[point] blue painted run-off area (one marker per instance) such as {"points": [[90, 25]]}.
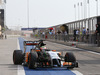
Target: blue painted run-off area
{"points": [[43, 71]]}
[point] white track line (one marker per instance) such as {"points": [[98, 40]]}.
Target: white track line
{"points": [[76, 72], [81, 49], [87, 51], [20, 70]]}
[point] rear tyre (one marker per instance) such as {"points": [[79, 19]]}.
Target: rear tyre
{"points": [[17, 57], [32, 64]]}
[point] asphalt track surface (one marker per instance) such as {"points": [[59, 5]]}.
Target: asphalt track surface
{"points": [[7, 46], [89, 62]]}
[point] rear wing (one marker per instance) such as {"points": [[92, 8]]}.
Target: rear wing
{"points": [[31, 43]]}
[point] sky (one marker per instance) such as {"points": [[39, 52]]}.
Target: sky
{"points": [[47, 13]]}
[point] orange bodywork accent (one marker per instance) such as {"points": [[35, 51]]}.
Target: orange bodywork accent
{"points": [[48, 63], [54, 50], [37, 50], [59, 53], [27, 56], [67, 63]]}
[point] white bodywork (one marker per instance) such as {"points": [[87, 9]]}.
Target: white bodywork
{"points": [[53, 55]]}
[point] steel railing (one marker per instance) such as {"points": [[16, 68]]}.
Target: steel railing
{"points": [[90, 39]]}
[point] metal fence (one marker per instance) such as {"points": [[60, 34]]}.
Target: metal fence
{"points": [[90, 39]]}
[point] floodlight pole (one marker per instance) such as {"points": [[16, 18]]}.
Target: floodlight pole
{"points": [[97, 7], [81, 10], [88, 8], [78, 12], [28, 13], [75, 11]]}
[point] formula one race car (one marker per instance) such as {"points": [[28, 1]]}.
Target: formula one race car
{"points": [[39, 56]]}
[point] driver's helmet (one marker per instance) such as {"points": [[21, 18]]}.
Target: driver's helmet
{"points": [[43, 47]]}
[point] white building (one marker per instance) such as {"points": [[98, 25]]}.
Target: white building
{"points": [[2, 4]]}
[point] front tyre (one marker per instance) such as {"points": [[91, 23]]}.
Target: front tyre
{"points": [[69, 57]]}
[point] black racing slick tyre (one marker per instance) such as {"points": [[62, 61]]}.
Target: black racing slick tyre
{"points": [[17, 57], [32, 62], [69, 57]]}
